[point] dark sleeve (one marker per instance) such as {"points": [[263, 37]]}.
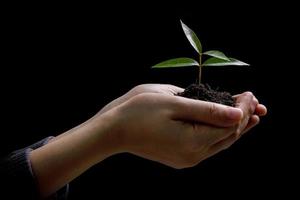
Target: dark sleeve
{"points": [[17, 177]]}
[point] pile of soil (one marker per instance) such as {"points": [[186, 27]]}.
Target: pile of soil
{"points": [[205, 93]]}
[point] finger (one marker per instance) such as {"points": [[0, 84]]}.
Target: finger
{"points": [[255, 100], [246, 102], [260, 110], [254, 120], [205, 112]]}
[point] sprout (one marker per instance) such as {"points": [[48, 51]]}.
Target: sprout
{"points": [[217, 58]]}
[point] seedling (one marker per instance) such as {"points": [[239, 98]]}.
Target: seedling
{"points": [[217, 58]]}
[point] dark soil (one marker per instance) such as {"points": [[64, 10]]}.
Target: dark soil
{"points": [[205, 93]]}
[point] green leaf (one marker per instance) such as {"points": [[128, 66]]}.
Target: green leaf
{"points": [[217, 54], [221, 62], [177, 62], [192, 37]]}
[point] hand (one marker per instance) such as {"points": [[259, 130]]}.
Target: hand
{"points": [[177, 131], [166, 89], [259, 111], [251, 112], [156, 125], [140, 89]]}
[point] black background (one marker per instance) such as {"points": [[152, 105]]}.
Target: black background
{"points": [[62, 63]]}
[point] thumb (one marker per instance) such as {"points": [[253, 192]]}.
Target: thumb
{"points": [[206, 112]]}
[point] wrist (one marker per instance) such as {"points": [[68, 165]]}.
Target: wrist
{"points": [[108, 135]]}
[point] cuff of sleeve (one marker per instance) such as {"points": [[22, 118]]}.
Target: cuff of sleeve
{"points": [[22, 176]]}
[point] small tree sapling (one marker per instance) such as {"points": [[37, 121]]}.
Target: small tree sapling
{"points": [[216, 58]]}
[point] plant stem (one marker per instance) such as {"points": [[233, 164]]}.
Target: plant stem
{"points": [[200, 68]]}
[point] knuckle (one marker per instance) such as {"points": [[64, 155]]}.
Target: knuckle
{"points": [[139, 89], [248, 94], [139, 99], [255, 100], [212, 109]]}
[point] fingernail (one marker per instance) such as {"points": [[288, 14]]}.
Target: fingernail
{"points": [[234, 113]]}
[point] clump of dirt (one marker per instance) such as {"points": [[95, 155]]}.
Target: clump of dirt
{"points": [[205, 93]]}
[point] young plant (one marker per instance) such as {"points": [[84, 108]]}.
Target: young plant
{"points": [[217, 58]]}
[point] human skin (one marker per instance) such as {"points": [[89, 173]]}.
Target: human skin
{"points": [[148, 121]]}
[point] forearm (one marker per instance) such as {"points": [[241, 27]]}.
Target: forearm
{"points": [[62, 160]]}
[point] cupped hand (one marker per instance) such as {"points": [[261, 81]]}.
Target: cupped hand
{"points": [[166, 89], [177, 131]]}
